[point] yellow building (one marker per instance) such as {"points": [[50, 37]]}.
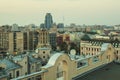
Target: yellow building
{"points": [[88, 48], [62, 66], [4, 40]]}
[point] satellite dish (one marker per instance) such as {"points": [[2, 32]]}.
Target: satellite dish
{"points": [[7, 53], [36, 50], [73, 52]]}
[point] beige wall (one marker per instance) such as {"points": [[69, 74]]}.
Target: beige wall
{"points": [[70, 66], [24, 64], [44, 54], [19, 41]]}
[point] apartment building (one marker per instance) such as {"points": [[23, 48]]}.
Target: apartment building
{"points": [[20, 65], [4, 40], [92, 47], [16, 42], [89, 48]]}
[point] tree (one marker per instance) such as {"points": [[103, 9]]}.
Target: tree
{"points": [[64, 47]]}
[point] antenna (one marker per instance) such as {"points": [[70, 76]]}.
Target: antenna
{"points": [[36, 50], [73, 53]]}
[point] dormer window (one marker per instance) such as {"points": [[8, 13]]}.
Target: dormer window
{"points": [[1, 68]]}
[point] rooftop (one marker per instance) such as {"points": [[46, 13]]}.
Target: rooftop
{"points": [[9, 64], [108, 72]]}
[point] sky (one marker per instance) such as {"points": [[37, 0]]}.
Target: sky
{"points": [[89, 12]]}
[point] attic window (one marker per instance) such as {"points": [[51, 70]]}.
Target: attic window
{"points": [[1, 68]]}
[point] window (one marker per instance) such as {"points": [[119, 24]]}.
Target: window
{"points": [[38, 77], [44, 52], [92, 49], [108, 56], [59, 70], [1, 68], [117, 51], [59, 74], [43, 56], [95, 49], [96, 58], [89, 49], [82, 48], [25, 73], [10, 75], [17, 73], [82, 63], [32, 67]]}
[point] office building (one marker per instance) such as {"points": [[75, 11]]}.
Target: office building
{"points": [[48, 21]]}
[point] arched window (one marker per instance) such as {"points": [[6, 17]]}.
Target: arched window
{"points": [[59, 70]]}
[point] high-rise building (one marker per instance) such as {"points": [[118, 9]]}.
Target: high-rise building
{"points": [[48, 21]]}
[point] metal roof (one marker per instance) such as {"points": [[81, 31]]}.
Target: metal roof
{"points": [[104, 46], [33, 60], [44, 48], [9, 64], [52, 60]]}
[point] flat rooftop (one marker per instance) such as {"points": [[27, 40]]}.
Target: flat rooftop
{"points": [[108, 72]]}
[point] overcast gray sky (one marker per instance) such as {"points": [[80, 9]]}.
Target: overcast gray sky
{"points": [[89, 12]]}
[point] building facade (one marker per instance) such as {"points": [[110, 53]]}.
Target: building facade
{"points": [[20, 65], [16, 42], [43, 38]]}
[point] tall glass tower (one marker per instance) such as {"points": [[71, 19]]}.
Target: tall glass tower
{"points": [[48, 21]]}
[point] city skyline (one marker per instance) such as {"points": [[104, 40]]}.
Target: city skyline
{"points": [[87, 12]]}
